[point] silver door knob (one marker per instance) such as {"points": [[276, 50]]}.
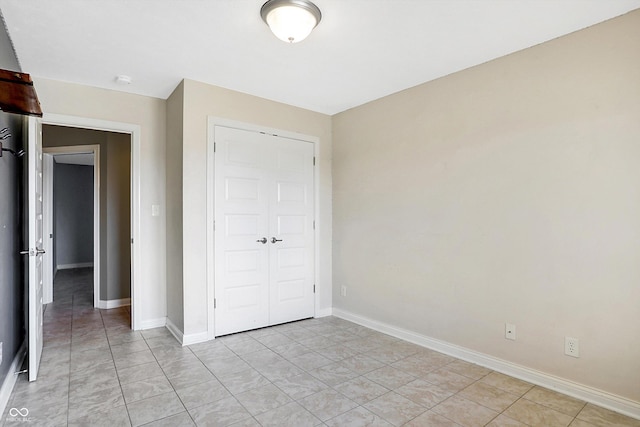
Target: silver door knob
{"points": [[263, 240], [35, 252], [273, 240]]}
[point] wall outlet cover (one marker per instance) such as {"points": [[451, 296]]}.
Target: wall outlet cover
{"points": [[571, 347]]}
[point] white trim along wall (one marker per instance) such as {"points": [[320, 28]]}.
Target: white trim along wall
{"points": [[113, 303]]}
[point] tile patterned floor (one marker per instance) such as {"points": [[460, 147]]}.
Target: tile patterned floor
{"points": [[95, 371]]}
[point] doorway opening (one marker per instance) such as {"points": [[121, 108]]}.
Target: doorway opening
{"points": [[71, 207], [94, 232]]}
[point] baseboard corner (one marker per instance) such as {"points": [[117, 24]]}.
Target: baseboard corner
{"points": [[113, 303], [152, 323], [175, 331], [195, 338], [324, 312]]}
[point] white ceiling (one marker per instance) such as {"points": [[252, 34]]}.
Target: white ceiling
{"points": [[74, 159], [362, 50]]}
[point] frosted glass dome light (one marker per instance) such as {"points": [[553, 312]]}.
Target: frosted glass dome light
{"points": [[291, 20]]}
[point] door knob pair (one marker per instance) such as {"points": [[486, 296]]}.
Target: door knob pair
{"points": [[264, 240], [35, 252]]}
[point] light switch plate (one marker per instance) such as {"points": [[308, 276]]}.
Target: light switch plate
{"points": [[510, 331]]}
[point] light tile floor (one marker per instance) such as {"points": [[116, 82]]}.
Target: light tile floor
{"points": [[95, 371]]}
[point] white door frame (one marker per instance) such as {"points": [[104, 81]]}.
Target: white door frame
{"points": [[47, 227], [133, 130], [49, 154], [212, 122]]}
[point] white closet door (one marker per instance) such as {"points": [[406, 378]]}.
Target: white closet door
{"points": [[264, 238], [241, 211], [291, 213]]}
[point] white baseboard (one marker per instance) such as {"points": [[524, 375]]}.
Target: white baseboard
{"points": [[10, 380], [152, 323], [589, 394], [175, 331], [76, 265], [324, 312], [186, 339], [113, 303], [195, 338]]}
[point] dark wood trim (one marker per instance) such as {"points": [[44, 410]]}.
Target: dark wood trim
{"points": [[17, 94]]}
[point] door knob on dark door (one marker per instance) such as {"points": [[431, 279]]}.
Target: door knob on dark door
{"points": [[263, 240], [273, 240]]}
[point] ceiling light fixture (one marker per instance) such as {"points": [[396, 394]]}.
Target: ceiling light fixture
{"points": [[291, 20]]}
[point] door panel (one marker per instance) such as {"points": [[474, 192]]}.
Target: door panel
{"points": [[291, 214], [238, 189], [242, 225], [291, 225], [291, 192], [241, 263], [36, 273], [264, 190]]}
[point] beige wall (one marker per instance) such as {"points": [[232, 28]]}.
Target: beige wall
{"points": [[508, 192], [175, 300], [200, 101], [150, 114], [118, 152]]}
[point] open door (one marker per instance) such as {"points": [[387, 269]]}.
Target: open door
{"points": [[35, 251]]}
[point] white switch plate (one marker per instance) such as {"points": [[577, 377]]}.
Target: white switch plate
{"points": [[155, 210], [343, 291], [510, 331]]}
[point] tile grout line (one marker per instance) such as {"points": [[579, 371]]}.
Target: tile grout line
{"points": [[70, 354], [170, 383], [116, 369]]}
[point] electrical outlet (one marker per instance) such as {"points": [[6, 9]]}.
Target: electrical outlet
{"points": [[571, 347], [510, 331], [343, 291]]}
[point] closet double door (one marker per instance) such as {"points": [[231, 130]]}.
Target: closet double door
{"points": [[264, 237]]}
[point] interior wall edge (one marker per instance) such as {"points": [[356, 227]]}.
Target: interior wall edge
{"points": [[589, 394], [175, 331]]}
